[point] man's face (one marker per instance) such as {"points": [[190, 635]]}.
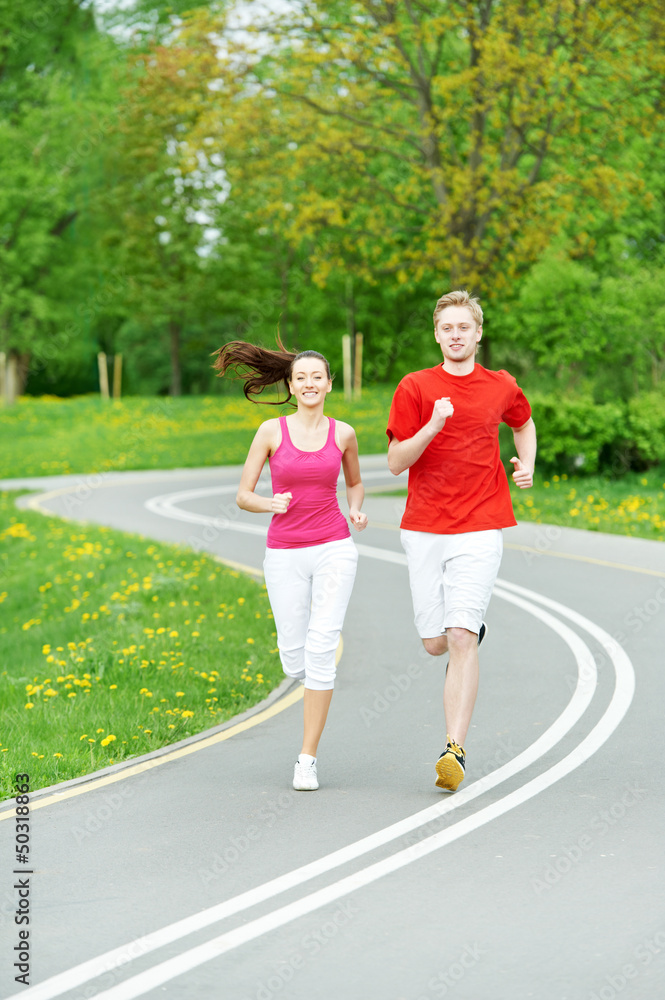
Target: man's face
{"points": [[457, 333]]}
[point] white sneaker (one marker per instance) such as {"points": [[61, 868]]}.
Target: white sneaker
{"points": [[304, 777]]}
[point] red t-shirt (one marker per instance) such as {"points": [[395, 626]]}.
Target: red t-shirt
{"points": [[458, 484]]}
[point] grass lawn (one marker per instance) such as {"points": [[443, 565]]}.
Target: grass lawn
{"points": [[632, 505], [112, 645], [50, 436]]}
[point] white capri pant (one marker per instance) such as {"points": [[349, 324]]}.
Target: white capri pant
{"points": [[309, 591], [451, 578]]}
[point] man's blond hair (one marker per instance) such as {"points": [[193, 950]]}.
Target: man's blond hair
{"points": [[459, 298]]}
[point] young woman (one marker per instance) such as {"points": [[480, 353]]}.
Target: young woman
{"points": [[310, 561]]}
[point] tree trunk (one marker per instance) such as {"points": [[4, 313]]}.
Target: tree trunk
{"points": [[176, 370], [22, 360]]}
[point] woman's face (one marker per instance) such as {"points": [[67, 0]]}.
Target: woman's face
{"points": [[309, 381]]}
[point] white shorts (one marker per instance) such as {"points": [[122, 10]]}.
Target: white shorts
{"points": [[309, 590], [451, 578]]}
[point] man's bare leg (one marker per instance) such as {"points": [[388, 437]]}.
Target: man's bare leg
{"points": [[461, 684]]}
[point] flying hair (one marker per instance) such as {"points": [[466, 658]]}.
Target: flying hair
{"points": [[260, 367]]}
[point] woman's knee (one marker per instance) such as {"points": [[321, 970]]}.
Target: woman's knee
{"points": [[293, 662], [320, 668]]}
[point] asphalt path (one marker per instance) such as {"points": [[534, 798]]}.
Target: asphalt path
{"points": [[200, 873]]}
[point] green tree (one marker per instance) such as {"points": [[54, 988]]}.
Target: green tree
{"points": [[432, 144], [55, 117]]}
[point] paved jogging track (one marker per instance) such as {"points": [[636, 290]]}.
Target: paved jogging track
{"points": [[201, 874]]}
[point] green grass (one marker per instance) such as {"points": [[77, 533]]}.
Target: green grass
{"points": [[52, 436], [633, 505], [112, 645]]}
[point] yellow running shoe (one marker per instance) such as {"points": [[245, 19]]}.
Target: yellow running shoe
{"points": [[450, 767]]}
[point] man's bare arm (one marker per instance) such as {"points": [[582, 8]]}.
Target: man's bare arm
{"points": [[402, 454]]}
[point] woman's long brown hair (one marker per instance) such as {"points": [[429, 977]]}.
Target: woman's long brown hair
{"points": [[259, 367]]}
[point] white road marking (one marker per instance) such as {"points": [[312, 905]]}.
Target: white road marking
{"points": [[167, 505], [585, 688]]}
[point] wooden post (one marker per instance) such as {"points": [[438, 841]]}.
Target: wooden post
{"points": [[117, 376], [103, 375], [358, 367], [3, 376], [346, 364], [11, 380]]}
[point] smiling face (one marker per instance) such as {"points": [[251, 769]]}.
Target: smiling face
{"points": [[457, 333], [309, 381]]}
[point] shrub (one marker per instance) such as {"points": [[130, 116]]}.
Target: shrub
{"points": [[576, 435]]}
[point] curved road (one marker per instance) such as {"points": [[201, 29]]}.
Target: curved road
{"points": [[199, 872]]}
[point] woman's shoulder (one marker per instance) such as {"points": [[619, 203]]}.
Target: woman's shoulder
{"points": [[269, 430], [344, 432]]}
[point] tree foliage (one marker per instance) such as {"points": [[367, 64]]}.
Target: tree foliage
{"points": [[54, 73], [440, 142], [175, 178]]}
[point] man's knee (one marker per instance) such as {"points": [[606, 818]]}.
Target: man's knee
{"points": [[436, 646], [461, 638]]}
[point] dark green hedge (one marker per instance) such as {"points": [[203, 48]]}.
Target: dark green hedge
{"points": [[576, 435]]}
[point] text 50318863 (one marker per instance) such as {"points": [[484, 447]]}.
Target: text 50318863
{"points": [[22, 885]]}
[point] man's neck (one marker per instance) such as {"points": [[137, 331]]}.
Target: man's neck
{"points": [[459, 368]]}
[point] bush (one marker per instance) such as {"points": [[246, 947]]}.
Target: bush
{"points": [[576, 435], [646, 420]]}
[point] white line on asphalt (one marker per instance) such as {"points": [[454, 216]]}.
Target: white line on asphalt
{"points": [[582, 695], [621, 699], [167, 505]]}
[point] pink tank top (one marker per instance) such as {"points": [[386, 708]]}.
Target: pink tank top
{"points": [[313, 516]]}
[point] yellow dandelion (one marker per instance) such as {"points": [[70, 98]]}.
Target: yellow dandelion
{"points": [[187, 714], [29, 704]]}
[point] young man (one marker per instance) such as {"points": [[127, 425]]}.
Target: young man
{"points": [[444, 427]]}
